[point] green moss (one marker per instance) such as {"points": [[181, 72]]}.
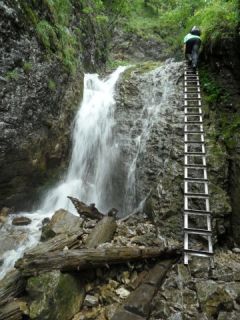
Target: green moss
{"points": [[51, 85], [29, 13], [47, 35], [113, 64], [12, 75], [27, 67]]}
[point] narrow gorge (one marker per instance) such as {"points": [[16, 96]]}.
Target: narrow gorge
{"points": [[91, 162]]}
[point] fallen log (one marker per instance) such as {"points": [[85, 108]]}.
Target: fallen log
{"points": [[87, 211], [102, 232], [11, 286], [74, 260], [58, 242]]}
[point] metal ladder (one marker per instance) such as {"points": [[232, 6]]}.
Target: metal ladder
{"points": [[196, 191]]}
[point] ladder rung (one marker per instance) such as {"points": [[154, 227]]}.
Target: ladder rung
{"points": [[198, 252], [194, 153], [196, 179], [197, 214], [198, 231], [192, 211], [194, 165], [192, 194], [192, 114], [195, 142], [186, 131], [198, 102], [197, 196]]}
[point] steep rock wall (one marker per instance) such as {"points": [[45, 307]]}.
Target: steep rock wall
{"points": [[39, 93], [223, 63]]}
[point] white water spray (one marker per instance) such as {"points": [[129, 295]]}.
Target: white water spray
{"points": [[92, 163]]}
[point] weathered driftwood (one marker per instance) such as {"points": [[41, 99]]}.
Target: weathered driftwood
{"points": [[58, 242], [87, 211], [11, 286], [102, 232], [86, 258], [11, 311]]}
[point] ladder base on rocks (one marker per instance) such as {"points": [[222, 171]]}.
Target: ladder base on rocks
{"points": [[196, 190]]}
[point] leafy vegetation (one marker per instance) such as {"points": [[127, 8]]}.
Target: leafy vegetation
{"points": [[51, 84], [169, 21], [12, 75], [27, 67], [165, 21]]}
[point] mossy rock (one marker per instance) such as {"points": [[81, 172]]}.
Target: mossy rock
{"points": [[54, 295]]}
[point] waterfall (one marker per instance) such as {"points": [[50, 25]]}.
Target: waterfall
{"points": [[92, 164], [95, 150]]}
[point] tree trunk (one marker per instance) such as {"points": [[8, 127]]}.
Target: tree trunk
{"points": [[102, 232], [90, 212], [11, 286], [73, 260]]}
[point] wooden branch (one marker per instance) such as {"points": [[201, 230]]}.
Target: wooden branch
{"points": [[90, 212], [86, 258], [11, 311], [11, 286], [102, 232]]}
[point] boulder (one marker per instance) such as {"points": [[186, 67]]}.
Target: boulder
{"points": [[62, 222], [21, 221], [54, 295], [215, 297]]}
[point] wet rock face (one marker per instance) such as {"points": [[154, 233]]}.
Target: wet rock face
{"points": [[149, 114], [38, 101]]}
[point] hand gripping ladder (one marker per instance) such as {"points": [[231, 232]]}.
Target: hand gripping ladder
{"points": [[196, 191]]}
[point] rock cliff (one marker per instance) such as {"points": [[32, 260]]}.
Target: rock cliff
{"points": [[41, 86]]}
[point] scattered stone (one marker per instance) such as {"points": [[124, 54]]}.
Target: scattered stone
{"points": [[236, 250], [5, 212], [21, 221], [90, 301], [122, 293], [45, 221], [62, 222]]}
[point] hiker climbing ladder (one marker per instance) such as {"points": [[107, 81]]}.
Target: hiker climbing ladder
{"points": [[197, 214]]}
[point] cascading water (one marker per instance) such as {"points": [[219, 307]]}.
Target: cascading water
{"points": [[92, 165], [157, 91]]}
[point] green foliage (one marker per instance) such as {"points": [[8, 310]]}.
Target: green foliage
{"points": [[169, 21], [12, 75], [27, 67], [60, 11], [113, 64], [47, 35], [228, 123], [52, 85], [217, 20], [55, 34], [213, 91]]}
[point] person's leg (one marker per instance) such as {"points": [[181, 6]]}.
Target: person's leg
{"points": [[188, 51], [195, 53]]}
